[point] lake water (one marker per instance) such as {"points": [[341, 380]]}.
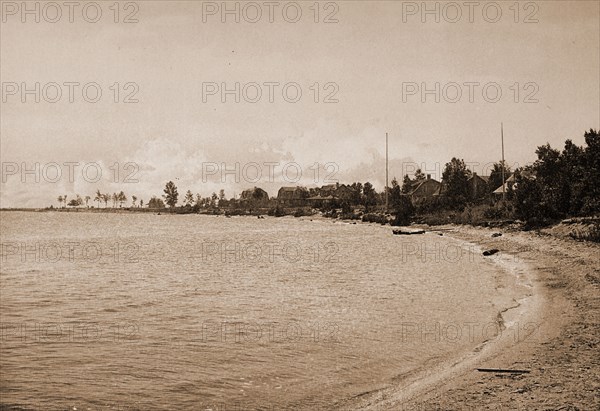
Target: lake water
{"points": [[144, 311]]}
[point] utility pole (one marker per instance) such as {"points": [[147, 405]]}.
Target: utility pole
{"points": [[502, 137], [386, 174]]}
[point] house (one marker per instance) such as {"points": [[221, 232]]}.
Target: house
{"points": [[319, 200], [254, 195], [293, 196], [424, 189], [478, 186], [510, 183], [338, 191]]}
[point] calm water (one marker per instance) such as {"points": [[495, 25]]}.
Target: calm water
{"points": [[136, 311]]}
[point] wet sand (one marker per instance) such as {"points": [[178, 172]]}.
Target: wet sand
{"points": [[561, 350]]}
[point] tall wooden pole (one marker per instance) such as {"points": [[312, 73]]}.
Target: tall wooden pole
{"points": [[386, 173], [502, 137]]}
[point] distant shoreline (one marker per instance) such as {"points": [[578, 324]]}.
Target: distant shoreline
{"points": [[86, 209], [580, 228]]}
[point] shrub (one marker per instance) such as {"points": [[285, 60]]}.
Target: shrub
{"points": [[301, 212], [375, 218], [276, 212], [589, 233]]}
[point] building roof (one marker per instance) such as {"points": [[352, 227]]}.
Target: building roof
{"points": [[249, 190], [329, 186], [484, 178], [420, 183], [499, 189], [525, 173], [318, 197]]}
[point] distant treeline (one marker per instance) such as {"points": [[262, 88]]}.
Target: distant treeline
{"points": [[558, 184]]}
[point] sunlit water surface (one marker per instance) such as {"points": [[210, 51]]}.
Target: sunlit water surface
{"points": [[145, 311]]}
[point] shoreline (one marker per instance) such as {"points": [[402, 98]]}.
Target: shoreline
{"points": [[562, 354], [564, 307], [525, 309]]}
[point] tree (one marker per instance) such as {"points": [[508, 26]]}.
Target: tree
{"points": [[60, 200], [495, 179], [133, 200], [590, 175], [356, 197], [115, 198], [156, 203], [455, 179], [550, 173], [401, 204], [560, 183], [223, 201], [527, 199], [121, 198], [419, 176], [87, 199], [189, 199], [141, 203], [404, 210], [76, 202], [395, 194], [105, 198], [171, 194], [407, 184], [65, 200], [98, 197], [370, 195]]}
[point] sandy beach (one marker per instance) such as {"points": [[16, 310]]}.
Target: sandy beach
{"points": [[560, 353]]}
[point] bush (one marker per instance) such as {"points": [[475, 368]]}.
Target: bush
{"points": [[350, 216], [276, 212], [589, 233], [301, 212], [440, 217], [375, 218], [404, 211], [330, 214]]}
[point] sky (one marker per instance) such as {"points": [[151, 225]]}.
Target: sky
{"points": [[167, 72]]}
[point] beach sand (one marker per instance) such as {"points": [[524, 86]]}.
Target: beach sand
{"points": [[558, 337]]}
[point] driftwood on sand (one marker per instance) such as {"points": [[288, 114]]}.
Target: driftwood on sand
{"points": [[407, 232], [491, 252], [503, 370]]}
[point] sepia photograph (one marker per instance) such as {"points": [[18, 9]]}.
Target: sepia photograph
{"points": [[299, 205]]}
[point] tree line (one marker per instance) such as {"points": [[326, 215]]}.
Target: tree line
{"points": [[559, 183]]}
